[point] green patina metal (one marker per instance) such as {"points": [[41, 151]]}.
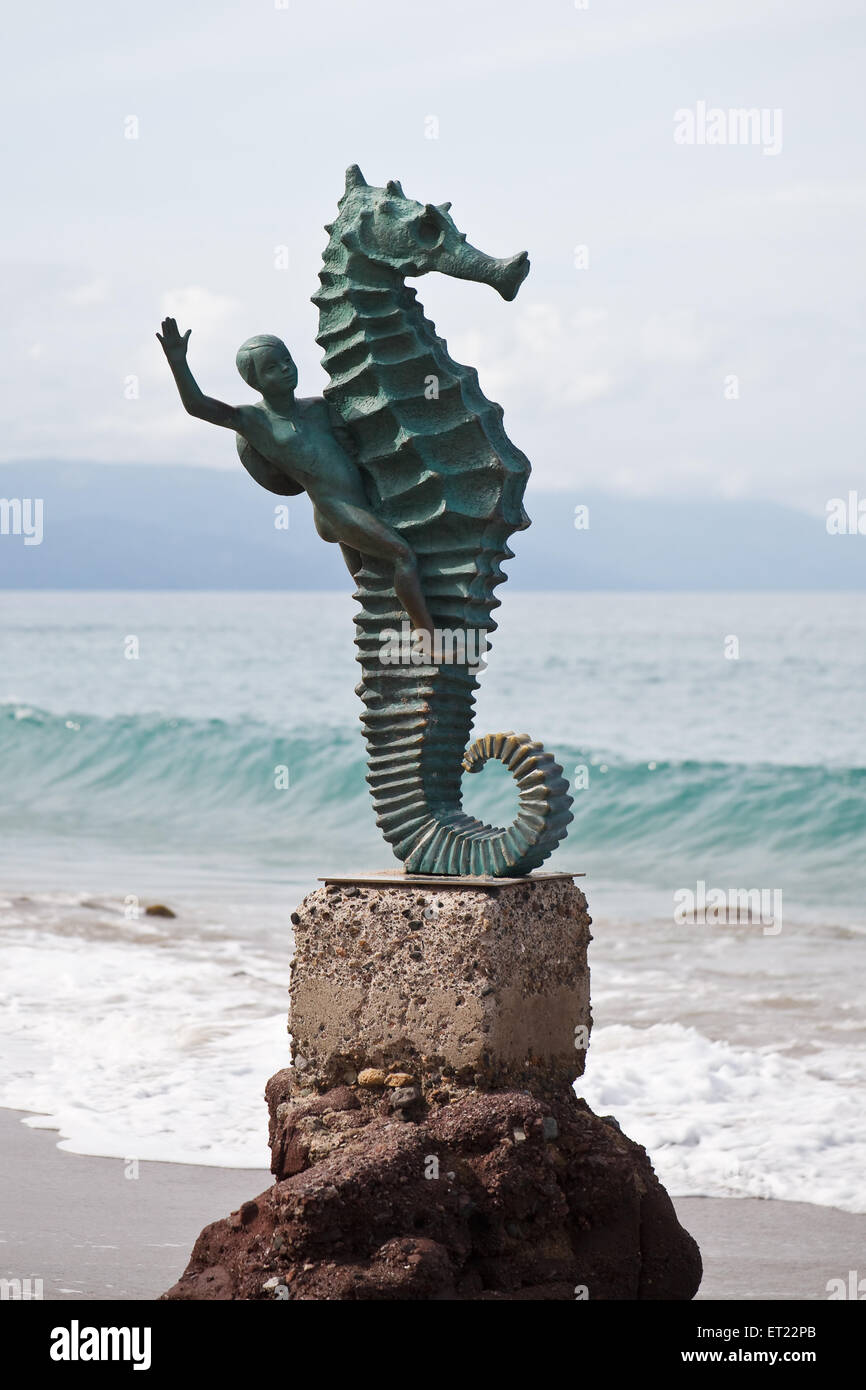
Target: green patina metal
{"points": [[409, 468], [442, 473]]}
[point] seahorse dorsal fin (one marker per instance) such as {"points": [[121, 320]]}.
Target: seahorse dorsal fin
{"points": [[354, 178]]}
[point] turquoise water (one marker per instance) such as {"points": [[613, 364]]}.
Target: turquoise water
{"points": [[747, 771], [735, 1053]]}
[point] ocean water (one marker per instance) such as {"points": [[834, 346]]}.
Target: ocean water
{"points": [[712, 739]]}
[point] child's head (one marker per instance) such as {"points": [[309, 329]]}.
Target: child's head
{"points": [[266, 364]]}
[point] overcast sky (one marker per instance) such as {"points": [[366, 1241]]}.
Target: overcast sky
{"points": [[555, 131]]}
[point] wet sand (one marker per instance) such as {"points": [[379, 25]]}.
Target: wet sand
{"points": [[90, 1232]]}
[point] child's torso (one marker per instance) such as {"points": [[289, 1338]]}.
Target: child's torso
{"points": [[304, 447]]}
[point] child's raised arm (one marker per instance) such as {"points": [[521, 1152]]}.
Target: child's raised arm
{"points": [[194, 400]]}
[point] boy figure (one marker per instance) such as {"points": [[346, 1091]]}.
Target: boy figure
{"points": [[291, 446]]}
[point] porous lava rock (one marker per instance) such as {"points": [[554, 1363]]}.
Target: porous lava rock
{"points": [[380, 1193]]}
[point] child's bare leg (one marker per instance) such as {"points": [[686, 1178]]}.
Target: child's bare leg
{"points": [[362, 531], [354, 559], [407, 587]]}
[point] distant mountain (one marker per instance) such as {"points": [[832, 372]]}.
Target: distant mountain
{"points": [[165, 527]]}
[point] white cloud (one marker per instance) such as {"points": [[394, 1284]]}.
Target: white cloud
{"points": [[83, 296], [193, 304], [674, 336]]}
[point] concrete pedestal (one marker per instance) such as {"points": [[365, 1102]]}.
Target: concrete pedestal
{"points": [[451, 984]]}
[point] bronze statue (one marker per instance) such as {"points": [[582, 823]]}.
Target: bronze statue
{"points": [[409, 468]]}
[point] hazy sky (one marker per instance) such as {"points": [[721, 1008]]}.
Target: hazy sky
{"points": [[555, 131]]}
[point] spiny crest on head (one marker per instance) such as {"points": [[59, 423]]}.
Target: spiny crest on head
{"points": [[354, 179], [393, 189]]}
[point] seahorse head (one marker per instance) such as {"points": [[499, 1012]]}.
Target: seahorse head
{"points": [[414, 238]]}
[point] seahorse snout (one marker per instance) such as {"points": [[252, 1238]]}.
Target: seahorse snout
{"points": [[466, 262], [511, 275]]}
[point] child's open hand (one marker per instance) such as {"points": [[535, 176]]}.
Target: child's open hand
{"points": [[173, 345]]}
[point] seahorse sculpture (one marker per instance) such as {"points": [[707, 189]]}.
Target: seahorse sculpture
{"points": [[440, 470]]}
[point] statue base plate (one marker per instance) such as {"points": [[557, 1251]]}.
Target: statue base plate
{"points": [[396, 878]]}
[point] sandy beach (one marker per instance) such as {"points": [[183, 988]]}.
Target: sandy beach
{"points": [[88, 1231]]}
